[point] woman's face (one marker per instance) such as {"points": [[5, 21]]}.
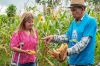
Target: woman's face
{"points": [[29, 24]]}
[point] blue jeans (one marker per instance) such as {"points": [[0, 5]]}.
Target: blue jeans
{"points": [[28, 64]]}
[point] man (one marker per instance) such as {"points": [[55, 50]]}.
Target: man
{"points": [[81, 36]]}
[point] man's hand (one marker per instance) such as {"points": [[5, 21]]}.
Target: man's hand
{"points": [[48, 39], [60, 54]]}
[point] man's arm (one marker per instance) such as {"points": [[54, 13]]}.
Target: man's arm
{"points": [[60, 38], [80, 46]]}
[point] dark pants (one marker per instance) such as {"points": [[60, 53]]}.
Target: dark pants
{"points": [[28, 64], [80, 65]]}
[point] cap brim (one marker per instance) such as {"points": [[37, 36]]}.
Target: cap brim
{"points": [[76, 5]]}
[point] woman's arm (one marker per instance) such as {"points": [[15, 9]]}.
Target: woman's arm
{"points": [[15, 49]]}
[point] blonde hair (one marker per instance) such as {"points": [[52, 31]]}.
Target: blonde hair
{"points": [[24, 18]]}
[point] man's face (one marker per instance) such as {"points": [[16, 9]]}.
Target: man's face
{"points": [[77, 12]]}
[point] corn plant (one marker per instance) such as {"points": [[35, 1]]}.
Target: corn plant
{"points": [[48, 24]]}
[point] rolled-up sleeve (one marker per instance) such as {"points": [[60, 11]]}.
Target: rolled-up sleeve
{"points": [[14, 41]]}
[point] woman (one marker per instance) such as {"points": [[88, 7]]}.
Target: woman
{"points": [[29, 37]]}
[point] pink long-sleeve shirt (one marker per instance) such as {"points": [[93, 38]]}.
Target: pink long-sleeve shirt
{"points": [[30, 43]]}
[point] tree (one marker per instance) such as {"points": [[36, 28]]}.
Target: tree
{"points": [[37, 1], [11, 10], [96, 1]]}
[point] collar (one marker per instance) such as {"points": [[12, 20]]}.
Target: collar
{"points": [[81, 18]]}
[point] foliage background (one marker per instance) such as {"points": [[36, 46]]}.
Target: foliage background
{"points": [[49, 22]]}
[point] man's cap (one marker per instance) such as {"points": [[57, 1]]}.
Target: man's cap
{"points": [[77, 3]]}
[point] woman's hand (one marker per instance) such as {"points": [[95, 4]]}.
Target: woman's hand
{"points": [[30, 52]]}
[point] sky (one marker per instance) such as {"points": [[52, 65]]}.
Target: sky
{"points": [[18, 3]]}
